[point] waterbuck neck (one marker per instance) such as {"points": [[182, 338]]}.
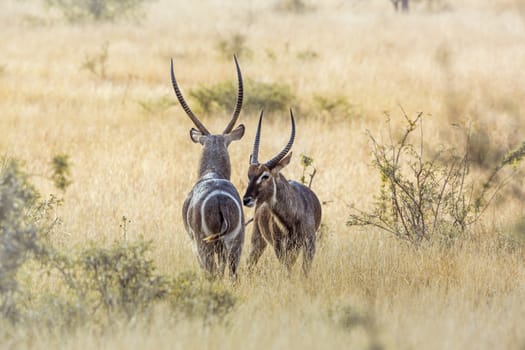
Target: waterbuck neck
{"points": [[282, 187], [215, 159], [281, 192]]}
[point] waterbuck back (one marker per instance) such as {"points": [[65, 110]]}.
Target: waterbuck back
{"points": [[212, 211]]}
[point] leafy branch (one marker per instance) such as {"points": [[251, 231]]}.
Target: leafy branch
{"points": [[423, 198]]}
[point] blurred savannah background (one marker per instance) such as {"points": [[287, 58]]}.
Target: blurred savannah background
{"points": [[89, 115]]}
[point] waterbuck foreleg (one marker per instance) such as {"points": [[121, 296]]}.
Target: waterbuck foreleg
{"points": [[308, 251], [287, 252], [257, 247]]}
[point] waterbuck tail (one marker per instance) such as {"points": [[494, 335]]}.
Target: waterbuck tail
{"points": [[223, 231]]}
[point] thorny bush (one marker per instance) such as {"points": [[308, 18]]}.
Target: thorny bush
{"points": [[428, 197]]}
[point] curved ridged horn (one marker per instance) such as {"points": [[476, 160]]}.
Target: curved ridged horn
{"points": [[238, 105], [255, 153], [273, 162], [185, 106]]}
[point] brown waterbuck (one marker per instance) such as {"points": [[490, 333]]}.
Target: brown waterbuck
{"points": [[287, 213], [212, 212]]}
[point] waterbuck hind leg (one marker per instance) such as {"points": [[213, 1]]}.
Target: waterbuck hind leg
{"points": [[308, 252], [258, 245], [207, 259], [220, 249], [234, 256]]}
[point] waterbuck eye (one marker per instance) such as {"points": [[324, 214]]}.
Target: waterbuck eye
{"points": [[263, 177]]}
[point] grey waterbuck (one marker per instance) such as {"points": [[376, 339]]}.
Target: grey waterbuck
{"points": [[212, 212], [287, 213]]}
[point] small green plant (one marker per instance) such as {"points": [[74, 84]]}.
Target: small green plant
{"points": [[195, 298], [96, 64], [61, 175], [295, 6], [121, 278], [98, 10], [333, 106], [258, 95], [236, 44], [124, 226], [307, 55], [424, 199], [307, 163], [347, 318], [270, 54], [156, 106], [268, 96], [213, 97], [36, 21]]}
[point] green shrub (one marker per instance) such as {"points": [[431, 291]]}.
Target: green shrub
{"points": [[121, 282], [236, 44], [102, 284], [96, 63], [121, 278], [258, 95], [295, 6], [18, 231], [307, 55], [335, 107], [196, 298], [157, 105], [94, 285], [307, 164], [348, 318], [98, 10], [61, 175]]}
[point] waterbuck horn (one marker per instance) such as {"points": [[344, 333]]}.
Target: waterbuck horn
{"points": [[238, 105], [255, 153], [185, 106], [273, 162]]}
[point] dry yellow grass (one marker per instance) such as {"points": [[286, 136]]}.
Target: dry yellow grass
{"points": [[460, 66]]}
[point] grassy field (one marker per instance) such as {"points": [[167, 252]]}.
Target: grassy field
{"points": [[131, 154]]}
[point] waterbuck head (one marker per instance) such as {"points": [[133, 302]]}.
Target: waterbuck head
{"points": [[262, 177], [215, 158]]}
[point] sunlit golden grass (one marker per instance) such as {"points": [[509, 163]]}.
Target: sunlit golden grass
{"points": [[460, 67]]}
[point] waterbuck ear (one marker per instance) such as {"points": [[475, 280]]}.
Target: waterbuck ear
{"points": [[236, 134], [282, 163], [197, 136]]}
